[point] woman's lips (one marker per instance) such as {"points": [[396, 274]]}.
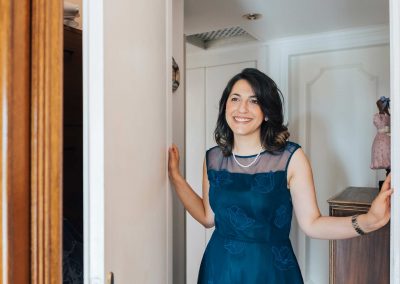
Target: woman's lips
{"points": [[241, 119]]}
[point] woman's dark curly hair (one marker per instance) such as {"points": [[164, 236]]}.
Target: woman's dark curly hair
{"points": [[273, 132]]}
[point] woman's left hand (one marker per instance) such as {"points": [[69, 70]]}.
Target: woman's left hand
{"points": [[379, 213]]}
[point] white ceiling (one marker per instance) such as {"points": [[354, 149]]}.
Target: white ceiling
{"points": [[283, 18]]}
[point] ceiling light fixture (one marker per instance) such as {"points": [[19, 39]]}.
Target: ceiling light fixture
{"points": [[252, 16]]}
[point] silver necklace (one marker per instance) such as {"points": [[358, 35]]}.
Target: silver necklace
{"points": [[249, 165]]}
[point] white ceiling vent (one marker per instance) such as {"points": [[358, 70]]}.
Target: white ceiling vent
{"points": [[219, 37]]}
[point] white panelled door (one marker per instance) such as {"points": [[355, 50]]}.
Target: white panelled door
{"points": [[137, 133], [204, 87], [332, 101]]}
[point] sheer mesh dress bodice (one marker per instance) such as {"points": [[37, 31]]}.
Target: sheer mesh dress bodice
{"points": [[253, 213]]}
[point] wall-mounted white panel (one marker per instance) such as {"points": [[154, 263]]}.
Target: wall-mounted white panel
{"points": [[333, 98]]}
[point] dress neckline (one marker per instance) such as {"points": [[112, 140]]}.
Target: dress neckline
{"points": [[248, 156]]}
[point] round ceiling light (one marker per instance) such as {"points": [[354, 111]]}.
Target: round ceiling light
{"points": [[252, 16]]}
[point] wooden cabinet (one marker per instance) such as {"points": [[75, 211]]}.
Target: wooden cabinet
{"points": [[364, 259]]}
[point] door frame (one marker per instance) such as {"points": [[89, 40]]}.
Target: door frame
{"points": [[395, 137], [93, 141], [15, 141], [31, 59], [46, 140]]}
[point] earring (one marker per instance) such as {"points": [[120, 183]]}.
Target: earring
{"points": [[266, 118]]}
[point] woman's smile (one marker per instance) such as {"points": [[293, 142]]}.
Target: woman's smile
{"points": [[241, 119]]}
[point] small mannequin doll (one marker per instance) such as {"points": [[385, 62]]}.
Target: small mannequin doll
{"points": [[380, 153]]}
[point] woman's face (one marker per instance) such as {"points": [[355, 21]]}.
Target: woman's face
{"points": [[243, 113]]}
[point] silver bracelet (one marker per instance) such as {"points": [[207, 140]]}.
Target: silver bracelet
{"points": [[356, 226]]}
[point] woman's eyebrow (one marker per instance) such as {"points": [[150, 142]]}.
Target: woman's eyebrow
{"points": [[235, 94]]}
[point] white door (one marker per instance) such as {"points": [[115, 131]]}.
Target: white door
{"points": [[204, 87], [333, 99], [131, 220]]}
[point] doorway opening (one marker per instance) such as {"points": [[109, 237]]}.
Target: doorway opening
{"points": [[72, 149]]}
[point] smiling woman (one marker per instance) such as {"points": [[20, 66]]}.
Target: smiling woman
{"points": [[250, 198]]}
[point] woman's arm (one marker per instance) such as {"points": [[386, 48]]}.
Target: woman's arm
{"points": [[198, 207], [301, 184]]}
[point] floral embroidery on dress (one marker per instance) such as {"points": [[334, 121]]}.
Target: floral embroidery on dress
{"points": [[283, 258], [234, 247], [282, 216], [239, 219], [263, 183], [219, 178]]}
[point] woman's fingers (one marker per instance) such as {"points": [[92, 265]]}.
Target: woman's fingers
{"points": [[386, 191], [175, 150], [386, 183], [384, 195], [389, 192], [173, 154]]}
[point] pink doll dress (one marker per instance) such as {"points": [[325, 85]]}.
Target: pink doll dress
{"points": [[380, 153]]}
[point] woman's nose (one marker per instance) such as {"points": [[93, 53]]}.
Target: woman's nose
{"points": [[243, 106]]}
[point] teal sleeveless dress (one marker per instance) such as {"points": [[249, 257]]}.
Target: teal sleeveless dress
{"points": [[253, 213]]}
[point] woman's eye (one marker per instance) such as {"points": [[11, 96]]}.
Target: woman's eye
{"points": [[254, 101], [234, 99]]}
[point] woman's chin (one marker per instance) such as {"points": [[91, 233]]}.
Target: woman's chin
{"points": [[243, 132]]}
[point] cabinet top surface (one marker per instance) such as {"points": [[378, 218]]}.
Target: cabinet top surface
{"points": [[355, 195]]}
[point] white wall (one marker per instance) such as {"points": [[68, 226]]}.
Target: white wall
{"points": [[333, 99], [228, 55]]}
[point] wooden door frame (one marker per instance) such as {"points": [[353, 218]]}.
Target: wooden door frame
{"points": [[46, 140], [15, 141], [31, 60]]}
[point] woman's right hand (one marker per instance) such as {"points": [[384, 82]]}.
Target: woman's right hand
{"points": [[173, 161]]}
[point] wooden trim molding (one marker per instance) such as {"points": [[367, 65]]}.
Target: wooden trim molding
{"points": [[14, 141], [46, 143]]}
